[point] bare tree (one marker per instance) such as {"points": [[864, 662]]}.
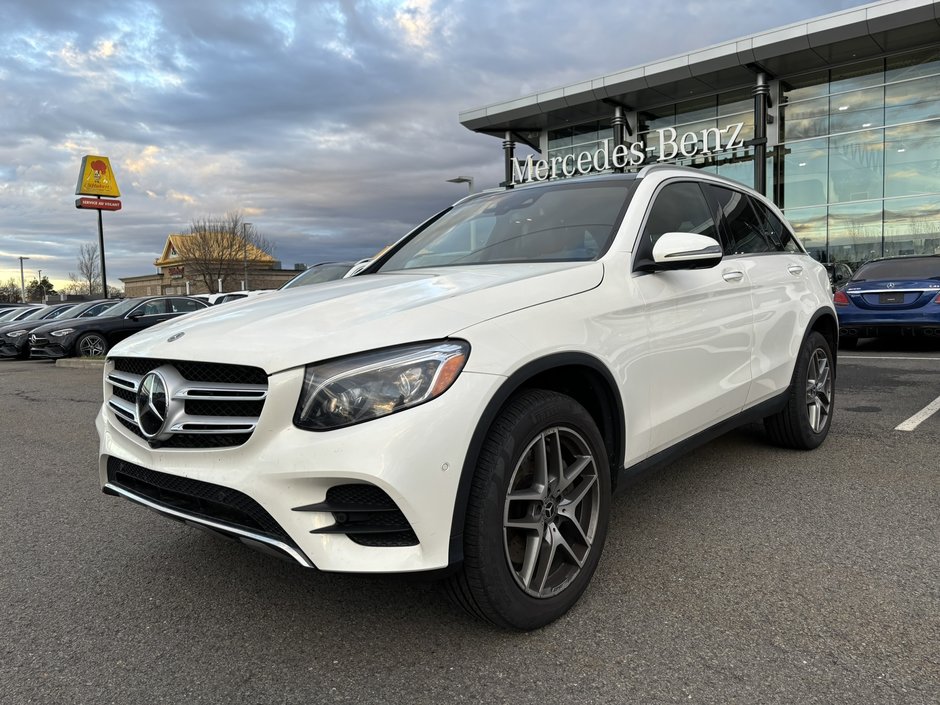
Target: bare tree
{"points": [[89, 268], [219, 248], [75, 286], [10, 291]]}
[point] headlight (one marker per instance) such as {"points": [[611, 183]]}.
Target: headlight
{"points": [[16, 333], [60, 333], [362, 387]]}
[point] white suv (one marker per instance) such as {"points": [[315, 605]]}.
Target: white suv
{"points": [[466, 406]]}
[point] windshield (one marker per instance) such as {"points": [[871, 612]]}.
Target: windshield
{"points": [[562, 222], [319, 273], [63, 312], [11, 314], [902, 268], [38, 314]]}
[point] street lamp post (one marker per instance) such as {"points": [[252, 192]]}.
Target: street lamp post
{"points": [[23, 279], [468, 180], [42, 296]]}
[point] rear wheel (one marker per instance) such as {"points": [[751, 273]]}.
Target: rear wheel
{"points": [[537, 515], [804, 422], [91, 345]]}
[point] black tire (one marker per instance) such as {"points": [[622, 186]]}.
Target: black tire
{"points": [[805, 421], [508, 542], [848, 342], [91, 345]]}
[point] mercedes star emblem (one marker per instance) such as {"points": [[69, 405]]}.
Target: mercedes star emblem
{"points": [[152, 404]]}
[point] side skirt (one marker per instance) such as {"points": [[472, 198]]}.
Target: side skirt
{"points": [[631, 475]]}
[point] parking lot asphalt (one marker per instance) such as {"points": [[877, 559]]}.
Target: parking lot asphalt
{"points": [[741, 573]]}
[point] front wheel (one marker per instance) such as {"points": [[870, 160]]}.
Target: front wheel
{"points": [[91, 345], [537, 515], [804, 422]]}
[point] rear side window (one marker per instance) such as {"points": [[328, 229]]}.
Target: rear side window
{"points": [[745, 234], [778, 233]]}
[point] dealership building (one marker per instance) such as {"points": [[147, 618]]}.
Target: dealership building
{"points": [[837, 119]]}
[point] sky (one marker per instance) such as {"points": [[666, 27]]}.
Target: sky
{"points": [[331, 126]]}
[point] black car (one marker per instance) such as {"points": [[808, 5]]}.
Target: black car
{"points": [[17, 314], [93, 337], [10, 333], [14, 339]]}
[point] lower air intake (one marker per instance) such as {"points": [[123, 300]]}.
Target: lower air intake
{"points": [[365, 514]]}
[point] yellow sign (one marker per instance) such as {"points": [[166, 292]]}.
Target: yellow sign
{"points": [[96, 178]]}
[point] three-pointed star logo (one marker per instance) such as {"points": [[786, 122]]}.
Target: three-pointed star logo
{"points": [[152, 404]]}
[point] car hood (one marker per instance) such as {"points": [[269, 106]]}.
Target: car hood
{"points": [[295, 327], [76, 324]]}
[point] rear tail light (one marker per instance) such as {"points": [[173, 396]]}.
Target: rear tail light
{"points": [[937, 300], [840, 299]]}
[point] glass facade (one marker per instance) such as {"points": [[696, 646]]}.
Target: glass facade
{"points": [[857, 170], [856, 164]]}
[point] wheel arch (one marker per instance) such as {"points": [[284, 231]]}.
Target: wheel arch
{"points": [[581, 376], [824, 321]]}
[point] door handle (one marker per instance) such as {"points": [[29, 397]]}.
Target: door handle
{"points": [[795, 269], [732, 275]]}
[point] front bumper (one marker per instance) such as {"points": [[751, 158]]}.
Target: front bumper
{"points": [[51, 347], [14, 348], [413, 457]]}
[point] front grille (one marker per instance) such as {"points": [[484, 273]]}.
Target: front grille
{"points": [[365, 514], [189, 440], [194, 371], [193, 497], [210, 405], [200, 407]]}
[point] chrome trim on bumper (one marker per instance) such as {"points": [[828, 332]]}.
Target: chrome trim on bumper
{"points": [[278, 545]]}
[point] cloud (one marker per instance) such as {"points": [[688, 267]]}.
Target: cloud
{"points": [[331, 123]]}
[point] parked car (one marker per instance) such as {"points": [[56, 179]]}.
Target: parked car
{"points": [[9, 306], [93, 337], [17, 314], [470, 401], [319, 273], [891, 296], [14, 340], [237, 295], [40, 314]]}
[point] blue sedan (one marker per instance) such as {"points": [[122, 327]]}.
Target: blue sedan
{"points": [[893, 296]]}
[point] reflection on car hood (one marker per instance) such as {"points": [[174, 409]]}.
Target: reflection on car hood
{"points": [[297, 326]]}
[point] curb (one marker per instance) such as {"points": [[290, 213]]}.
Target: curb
{"points": [[86, 362]]}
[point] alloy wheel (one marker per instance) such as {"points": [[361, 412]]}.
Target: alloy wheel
{"points": [[550, 516], [92, 346], [818, 390]]}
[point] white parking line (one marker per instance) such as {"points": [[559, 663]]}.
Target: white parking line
{"points": [[921, 416]]}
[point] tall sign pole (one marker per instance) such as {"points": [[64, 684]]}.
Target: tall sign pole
{"points": [[104, 275], [97, 179]]}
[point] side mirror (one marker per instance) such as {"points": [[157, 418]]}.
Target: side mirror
{"points": [[686, 251]]}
